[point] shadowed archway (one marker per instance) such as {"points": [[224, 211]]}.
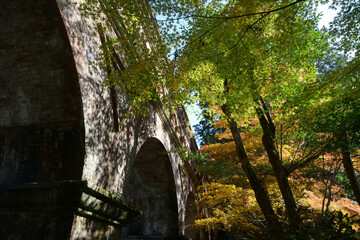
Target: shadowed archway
{"points": [[190, 216], [151, 187]]}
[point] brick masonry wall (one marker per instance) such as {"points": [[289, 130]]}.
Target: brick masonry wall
{"points": [[110, 154], [41, 123], [38, 79], [56, 115], [40, 102]]}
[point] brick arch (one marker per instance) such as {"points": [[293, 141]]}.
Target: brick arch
{"points": [[58, 121], [151, 187], [190, 216]]}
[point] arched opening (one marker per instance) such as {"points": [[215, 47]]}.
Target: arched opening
{"points": [[190, 216], [151, 188]]}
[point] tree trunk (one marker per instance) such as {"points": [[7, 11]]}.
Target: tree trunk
{"points": [[350, 172], [262, 197], [281, 176]]}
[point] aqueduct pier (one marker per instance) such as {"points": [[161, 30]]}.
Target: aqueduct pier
{"points": [[63, 134]]}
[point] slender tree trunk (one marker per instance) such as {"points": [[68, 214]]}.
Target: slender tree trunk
{"points": [[268, 141], [350, 172], [262, 197], [324, 199], [327, 210]]}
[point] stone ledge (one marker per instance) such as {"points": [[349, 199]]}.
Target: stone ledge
{"points": [[65, 196], [40, 196]]}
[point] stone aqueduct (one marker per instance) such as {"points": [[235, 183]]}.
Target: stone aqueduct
{"points": [[60, 126]]}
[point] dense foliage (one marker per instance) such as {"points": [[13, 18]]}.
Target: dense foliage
{"points": [[281, 96]]}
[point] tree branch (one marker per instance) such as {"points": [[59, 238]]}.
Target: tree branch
{"points": [[232, 17]]}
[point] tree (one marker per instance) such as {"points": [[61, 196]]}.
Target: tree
{"points": [[205, 131], [132, 51], [221, 167], [341, 122], [249, 58], [229, 207], [337, 115], [345, 26], [345, 79], [238, 70]]}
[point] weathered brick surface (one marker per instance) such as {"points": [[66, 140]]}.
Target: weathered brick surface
{"points": [[40, 226], [40, 102], [151, 187], [41, 124], [49, 152], [38, 76], [57, 122]]}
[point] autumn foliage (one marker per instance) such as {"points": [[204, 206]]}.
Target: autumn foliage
{"points": [[319, 186], [284, 93]]}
